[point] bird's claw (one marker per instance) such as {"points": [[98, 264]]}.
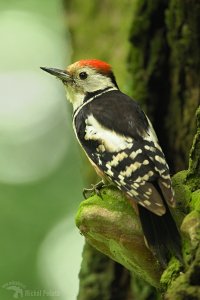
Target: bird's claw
{"points": [[95, 189]]}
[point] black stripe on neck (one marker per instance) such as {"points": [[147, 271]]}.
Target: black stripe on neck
{"points": [[92, 95], [95, 94]]}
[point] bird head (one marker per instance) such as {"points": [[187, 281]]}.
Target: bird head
{"points": [[84, 77]]}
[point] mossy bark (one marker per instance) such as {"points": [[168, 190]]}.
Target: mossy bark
{"points": [[164, 65], [164, 76], [186, 285]]}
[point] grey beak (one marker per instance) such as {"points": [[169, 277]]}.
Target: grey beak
{"points": [[61, 74]]}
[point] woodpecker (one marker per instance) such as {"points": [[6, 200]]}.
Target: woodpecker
{"points": [[121, 144]]}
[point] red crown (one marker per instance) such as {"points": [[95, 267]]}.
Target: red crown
{"points": [[96, 64]]}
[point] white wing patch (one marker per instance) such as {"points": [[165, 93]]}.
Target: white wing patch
{"points": [[110, 140]]}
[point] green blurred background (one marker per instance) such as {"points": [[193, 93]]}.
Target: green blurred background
{"points": [[40, 181], [41, 168]]}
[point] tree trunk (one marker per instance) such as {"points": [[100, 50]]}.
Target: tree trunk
{"points": [[164, 76], [164, 64]]}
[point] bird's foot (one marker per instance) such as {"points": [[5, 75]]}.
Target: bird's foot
{"points": [[95, 189]]}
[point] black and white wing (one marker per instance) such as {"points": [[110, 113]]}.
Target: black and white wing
{"points": [[120, 140]]}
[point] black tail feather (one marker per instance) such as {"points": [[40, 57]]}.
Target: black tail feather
{"points": [[161, 234]]}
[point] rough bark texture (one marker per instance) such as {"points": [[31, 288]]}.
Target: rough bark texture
{"points": [[164, 64], [101, 278], [186, 285], [164, 76]]}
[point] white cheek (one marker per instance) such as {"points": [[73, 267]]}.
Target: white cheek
{"points": [[97, 82]]}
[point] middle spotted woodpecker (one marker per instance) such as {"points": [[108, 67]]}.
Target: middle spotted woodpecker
{"points": [[121, 144]]}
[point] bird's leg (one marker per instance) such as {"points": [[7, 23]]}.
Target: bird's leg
{"points": [[94, 189]]}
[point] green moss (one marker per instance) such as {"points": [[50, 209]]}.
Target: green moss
{"points": [[195, 201], [109, 198], [191, 226], [182, 190], [111, 225], [180, 177], [193, 177], [171, 273], [182, 284], [173, 291]]}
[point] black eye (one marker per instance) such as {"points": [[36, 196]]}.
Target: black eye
{"points": [[83, 75]]}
